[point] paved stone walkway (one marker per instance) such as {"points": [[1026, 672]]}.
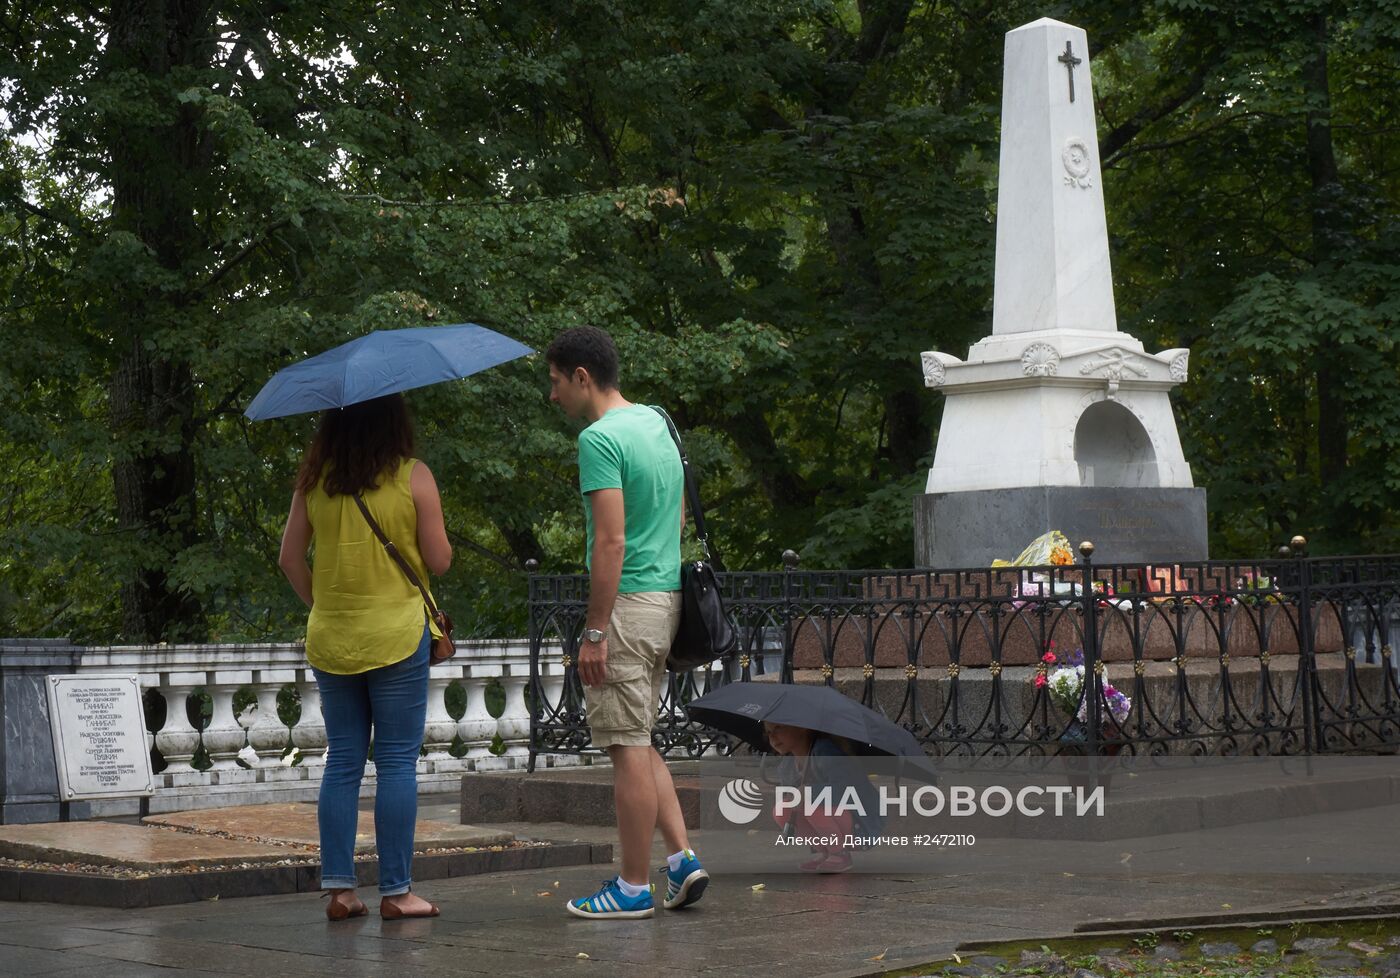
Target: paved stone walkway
{"points": [[501, 925], [514, 924]]}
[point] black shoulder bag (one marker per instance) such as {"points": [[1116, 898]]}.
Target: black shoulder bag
{"points": [[706, 631], [443, 647]]}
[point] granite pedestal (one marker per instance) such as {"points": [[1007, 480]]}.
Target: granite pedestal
{"points": [[28, 776], [1126, 525]]}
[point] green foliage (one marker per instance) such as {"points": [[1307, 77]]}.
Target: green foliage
{"points": [[1273, 256], [774, 205]]}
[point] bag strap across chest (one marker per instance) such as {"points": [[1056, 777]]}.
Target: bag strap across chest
{"points": [[397, 557], [692, 495]]}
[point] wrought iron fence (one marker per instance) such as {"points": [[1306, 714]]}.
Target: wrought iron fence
{"points": [[1280, 656]]}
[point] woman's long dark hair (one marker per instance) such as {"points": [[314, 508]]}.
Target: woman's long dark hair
{"points": [[355, 444]]}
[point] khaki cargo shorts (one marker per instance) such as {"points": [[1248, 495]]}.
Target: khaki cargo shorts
{"points": [[621, 712]]}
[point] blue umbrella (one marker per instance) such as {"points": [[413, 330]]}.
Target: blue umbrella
{"points": [[382, 362]]}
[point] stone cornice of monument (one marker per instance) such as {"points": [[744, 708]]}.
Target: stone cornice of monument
{"points": [[1042, 361], [1053, 322]]}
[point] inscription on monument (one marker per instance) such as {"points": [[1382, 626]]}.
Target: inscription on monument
{"points": [[99, 737], [1145, 525]]}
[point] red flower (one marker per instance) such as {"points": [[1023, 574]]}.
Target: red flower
{"points": [[1040, 680], [1048, 657]]}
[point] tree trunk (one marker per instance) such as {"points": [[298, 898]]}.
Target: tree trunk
{"points": [[151, 408], [521, 540], [151, 393], [1326, 226], [782, 483], [881, 32], [911, 436]]}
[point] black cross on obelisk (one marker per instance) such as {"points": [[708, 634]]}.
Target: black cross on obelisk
{"points": [[1070, 61]]}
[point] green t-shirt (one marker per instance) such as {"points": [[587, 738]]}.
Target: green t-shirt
{"points": [[631, 449]]}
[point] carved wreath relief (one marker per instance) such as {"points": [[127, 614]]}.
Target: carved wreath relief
{"points": [[1040, 360], [1112, 363], [1075, 157], [1110, 366]]}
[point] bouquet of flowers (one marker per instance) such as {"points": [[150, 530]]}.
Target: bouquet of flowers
{"points": [[1048, 548], [1064, 683], [1032, 585], [1257, 590]]}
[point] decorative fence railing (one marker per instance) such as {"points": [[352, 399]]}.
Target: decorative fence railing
{"points": [[1289, 655], [231, 724]]}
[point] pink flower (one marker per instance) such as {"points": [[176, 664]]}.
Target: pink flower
{"points": [[1040, 680], [1048, 657]]}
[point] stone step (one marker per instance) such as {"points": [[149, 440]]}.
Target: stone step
{"points": [[129, 846], [578, 795], [295, 825], [242, 851], [1140, 803]]}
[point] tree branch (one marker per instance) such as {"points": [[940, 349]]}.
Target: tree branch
{"points": [[478, 201], [242, 255], [1124, 154], [50, 216], [486, 552], [1121, 135]]}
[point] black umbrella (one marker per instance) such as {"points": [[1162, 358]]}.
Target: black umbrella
{"points": [[742, 708]]}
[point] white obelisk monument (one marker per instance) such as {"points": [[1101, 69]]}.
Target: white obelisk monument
{"points": [[1057, 420]]}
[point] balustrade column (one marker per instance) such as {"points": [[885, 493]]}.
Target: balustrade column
{"points": [[551, 679], [309, 735], [439, 728], [477, 726], [268, 734], [178, 739], [224, 737], [513, 725]]}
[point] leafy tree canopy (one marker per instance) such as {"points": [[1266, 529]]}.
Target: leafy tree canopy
{"points": [[774, 205]]}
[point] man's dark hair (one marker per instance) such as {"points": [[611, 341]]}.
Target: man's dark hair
{"points": [[588, 347]]}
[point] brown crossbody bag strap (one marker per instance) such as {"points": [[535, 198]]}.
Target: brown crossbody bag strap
{"points": [[443, 648]]}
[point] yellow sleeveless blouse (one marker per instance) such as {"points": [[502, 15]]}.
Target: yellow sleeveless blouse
{"points": [[364, 612]]}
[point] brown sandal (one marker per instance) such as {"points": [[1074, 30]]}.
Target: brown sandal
{"points": [[390, 912], [339, 911]]}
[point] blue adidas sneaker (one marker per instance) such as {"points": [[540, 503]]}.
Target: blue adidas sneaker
{"points": [[686, 883], [611, 903]]}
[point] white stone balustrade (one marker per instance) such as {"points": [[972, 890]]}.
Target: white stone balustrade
{"points": [[484, 741]]}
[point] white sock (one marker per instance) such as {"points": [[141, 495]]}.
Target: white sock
{"points": [[674, 860], [632, 889]]}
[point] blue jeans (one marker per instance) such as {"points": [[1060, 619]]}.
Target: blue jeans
{"points": [[394, 701]]}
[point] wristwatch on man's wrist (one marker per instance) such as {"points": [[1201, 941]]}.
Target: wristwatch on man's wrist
{"points": [[594, 635]]}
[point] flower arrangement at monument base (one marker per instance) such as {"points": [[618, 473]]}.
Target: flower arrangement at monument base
{"points": [[1257, 589], [1050, 548], [1063, 682]]}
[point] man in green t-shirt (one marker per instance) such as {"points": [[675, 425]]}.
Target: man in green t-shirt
{"points": [[632, 483]]}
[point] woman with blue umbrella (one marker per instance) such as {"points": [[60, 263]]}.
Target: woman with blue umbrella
{"points": [[373, 512]]}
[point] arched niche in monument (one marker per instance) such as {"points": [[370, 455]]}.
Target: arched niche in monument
{"points": [[1114, 449]]}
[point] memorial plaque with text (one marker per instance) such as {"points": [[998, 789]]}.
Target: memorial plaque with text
{"points": [[99, 737]]}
